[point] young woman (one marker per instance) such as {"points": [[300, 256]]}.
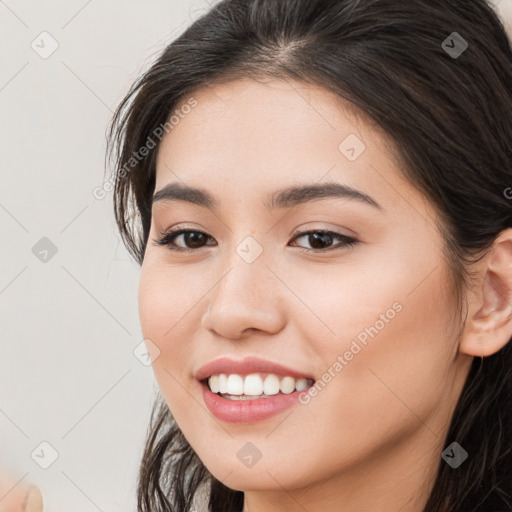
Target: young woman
{"points": [[319, 194]]}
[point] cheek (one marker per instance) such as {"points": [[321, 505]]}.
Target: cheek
{"points": [[165, 309], [167, 298], [396, 360], [392, 325]]}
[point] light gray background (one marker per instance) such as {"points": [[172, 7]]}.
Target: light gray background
{"points": [[68, 375]]}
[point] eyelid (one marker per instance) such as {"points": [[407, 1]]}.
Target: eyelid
{"points": [[315, 229]]}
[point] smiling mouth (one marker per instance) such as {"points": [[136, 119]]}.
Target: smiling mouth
{"points": [[255, 385]]}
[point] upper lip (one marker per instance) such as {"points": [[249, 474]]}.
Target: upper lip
{"points": [[245, 366]]}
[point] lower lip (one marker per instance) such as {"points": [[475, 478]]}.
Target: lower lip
{"points": [[247, 411]]}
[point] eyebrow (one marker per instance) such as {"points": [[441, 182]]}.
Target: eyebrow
{"points": [[288, 197]]}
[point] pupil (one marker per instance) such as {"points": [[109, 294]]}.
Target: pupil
{"points": [[189, 239], [315, 237]]}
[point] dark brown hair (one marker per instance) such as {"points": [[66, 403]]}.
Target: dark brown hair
{"points": [[449, 114]]}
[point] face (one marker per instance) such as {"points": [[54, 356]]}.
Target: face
{"points": [[360, 304]]}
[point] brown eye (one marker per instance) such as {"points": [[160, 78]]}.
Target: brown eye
{"points": [[320, 241], [192, 239]]}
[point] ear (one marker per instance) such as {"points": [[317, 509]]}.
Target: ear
{"points": [[489, 322]]}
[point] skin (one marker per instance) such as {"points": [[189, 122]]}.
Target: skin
{"points": [[370, 440], [18, 496]]}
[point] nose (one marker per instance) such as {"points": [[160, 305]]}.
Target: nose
{"points": [[247, 299]]}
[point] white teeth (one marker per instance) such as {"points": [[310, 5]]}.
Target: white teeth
{"points": [[271, 385], [223, 383], [214, 383], [287, 385], [235, 385], [301, 384], [254, 385]]}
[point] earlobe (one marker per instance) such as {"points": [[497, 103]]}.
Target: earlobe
{"points": [[489, 323]]}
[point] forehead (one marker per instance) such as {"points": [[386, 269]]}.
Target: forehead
{"points": [[246, 136]]}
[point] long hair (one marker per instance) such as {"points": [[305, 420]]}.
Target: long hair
{"points": [[445, 100]]}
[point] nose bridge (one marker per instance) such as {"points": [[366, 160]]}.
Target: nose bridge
{"points": [[246, 295], [247, 276]]}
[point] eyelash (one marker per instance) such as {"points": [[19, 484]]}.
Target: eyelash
{"points": [[167, 239]]}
